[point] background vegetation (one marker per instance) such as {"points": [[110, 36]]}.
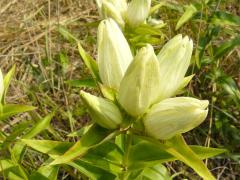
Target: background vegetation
{"points": [[50, 72]]}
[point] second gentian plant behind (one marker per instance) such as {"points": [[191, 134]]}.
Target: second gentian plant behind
{"points": [[145, 85]]}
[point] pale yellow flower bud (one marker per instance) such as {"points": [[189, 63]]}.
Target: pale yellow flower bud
{"points": [[137, 12], [139, 87], [114, 53], [174, 60], [175, 116], [104, 112], [115, 9]]}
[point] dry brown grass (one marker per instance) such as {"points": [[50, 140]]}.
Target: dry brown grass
{"points": [[28, 34], [29, 37]]}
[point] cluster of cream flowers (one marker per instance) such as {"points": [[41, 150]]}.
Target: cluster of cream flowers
{"points": [[145, 84], [133, 13]]}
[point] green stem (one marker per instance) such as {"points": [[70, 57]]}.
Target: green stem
{"points": [[126, 154]]}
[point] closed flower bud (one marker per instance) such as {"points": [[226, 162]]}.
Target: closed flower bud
{"points": [[139, 87], [114, 54], [174, 59], [175, 116], [137, 12], [102, 111], [115, 9], [1, 85]]}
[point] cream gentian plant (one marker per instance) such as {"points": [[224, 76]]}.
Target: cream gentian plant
{"points": [[139, 112], [146, 84], [134, 13]]}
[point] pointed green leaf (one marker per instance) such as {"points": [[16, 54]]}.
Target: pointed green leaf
{"points": [[19, 147], [93, 138], [12, 170], [89, 62], [45, 173], [66, 34], [222, 18], [92, 172], [179, 149], [52, 148], [158, 172], [138, 159], [7, 79], [39, 126], [190, 11], [111, 153], [226, 47], [13, 109], [82, 83]]}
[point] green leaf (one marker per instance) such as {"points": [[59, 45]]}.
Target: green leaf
{"points": [[12, 170], [7, 79], [67, 35], [120, 141], [80, 132], [52, 148], [170, 5], [18, 150], [111, 153], [147, 29], [95, 136], [179, 149], [89, 62], [226, 47], [205, 152], [205, 39], [92, 172], [19, 147], [228, 84], [138, 159], [13, 109], [16, 131], [39, 126], [222, 18], [45, 173], [190, 11], [158, 172], [102, 162], [82, 83], [108, 92], [64, 61]]}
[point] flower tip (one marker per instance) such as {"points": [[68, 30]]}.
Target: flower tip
{"points": [[179, 37], [204, 104], [82, 93], [147, 48]]}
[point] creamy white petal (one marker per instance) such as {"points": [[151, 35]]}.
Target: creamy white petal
{"points": [[102, 111], [174, 60], [114, 53], [139, 87], [175, 116], [137, 12]]}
